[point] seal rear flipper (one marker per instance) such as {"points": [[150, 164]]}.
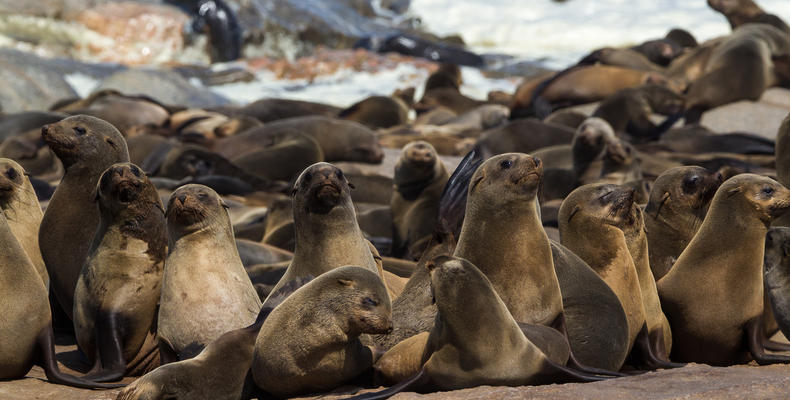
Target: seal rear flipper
{"points": [[418, 380], [556, 373], [754, 340], [46, 348], [109, 349], [644, 354]]}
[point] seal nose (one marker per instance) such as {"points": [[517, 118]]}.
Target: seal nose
{"points": [[536, 161], [390, 326], [182, 198], [45, 130], [717, 177]]}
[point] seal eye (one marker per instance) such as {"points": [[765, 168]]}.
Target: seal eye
{"points": [[506, 164], [308, 177], [369, 302], [767, 191], [11, 174], [691, 182], [135, 171], [339, 174], [79, 130]]}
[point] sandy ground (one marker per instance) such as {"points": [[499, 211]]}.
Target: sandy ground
{"points": [[691, 382]]}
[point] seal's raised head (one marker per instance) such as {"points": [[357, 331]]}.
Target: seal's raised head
{"points": [[611, 204], [125, 185], [12, 178], [507, 177], [757, 194], [321, 188], [82, 137], [362, 297], [683, 189], [194, 207]]}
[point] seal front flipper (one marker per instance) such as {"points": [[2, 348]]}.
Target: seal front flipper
{"points": [[754, 339], [109, 350], [166, 352], [46, 348]]}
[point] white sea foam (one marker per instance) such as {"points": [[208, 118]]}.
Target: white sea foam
{"points": [[563, 32], [346, 87]]}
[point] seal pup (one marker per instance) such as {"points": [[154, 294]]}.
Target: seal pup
{"points": [[325, 225], [419, 180], [592, 220], [26, 336], [219, 372], [115, 301], [205, 289], [476, 330], [677, 205], [87, 146], [720, 322], [22, 210], [310, 342]]}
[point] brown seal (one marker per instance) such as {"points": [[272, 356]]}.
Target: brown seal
{"points": [[677, 205], [205, 289], [503, 236], [325, 225], [740, 12], [339, 140], [720, 322], [741, 67], [27, 322], [474, 327], [311, 343], [87, 146], [419, 179], [219, 372], [377, 112], [21, 208], [592, 220], [117, 293]]}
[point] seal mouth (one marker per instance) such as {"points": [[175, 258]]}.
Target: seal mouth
{"points": [[529, 178], [325, 197]]}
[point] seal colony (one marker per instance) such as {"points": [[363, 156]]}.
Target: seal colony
{"points": [[261, 251]]}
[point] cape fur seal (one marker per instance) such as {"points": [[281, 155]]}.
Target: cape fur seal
{"points": [[23, 212], [26, 332], [677, 205], [325, 225], [117, 293], [205, 289], [311, 343], [419, 180], [87, 146], [476, 330], [720, 322]]}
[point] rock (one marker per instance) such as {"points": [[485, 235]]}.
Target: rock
{"points": [[762, 117], [163, 85], [140, 33]]}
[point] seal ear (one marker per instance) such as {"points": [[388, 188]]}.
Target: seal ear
{"points": [[575, 210], [223, 204], [477, 180], [345, 282], [651, 207], [733, 192], [351, 185]]}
